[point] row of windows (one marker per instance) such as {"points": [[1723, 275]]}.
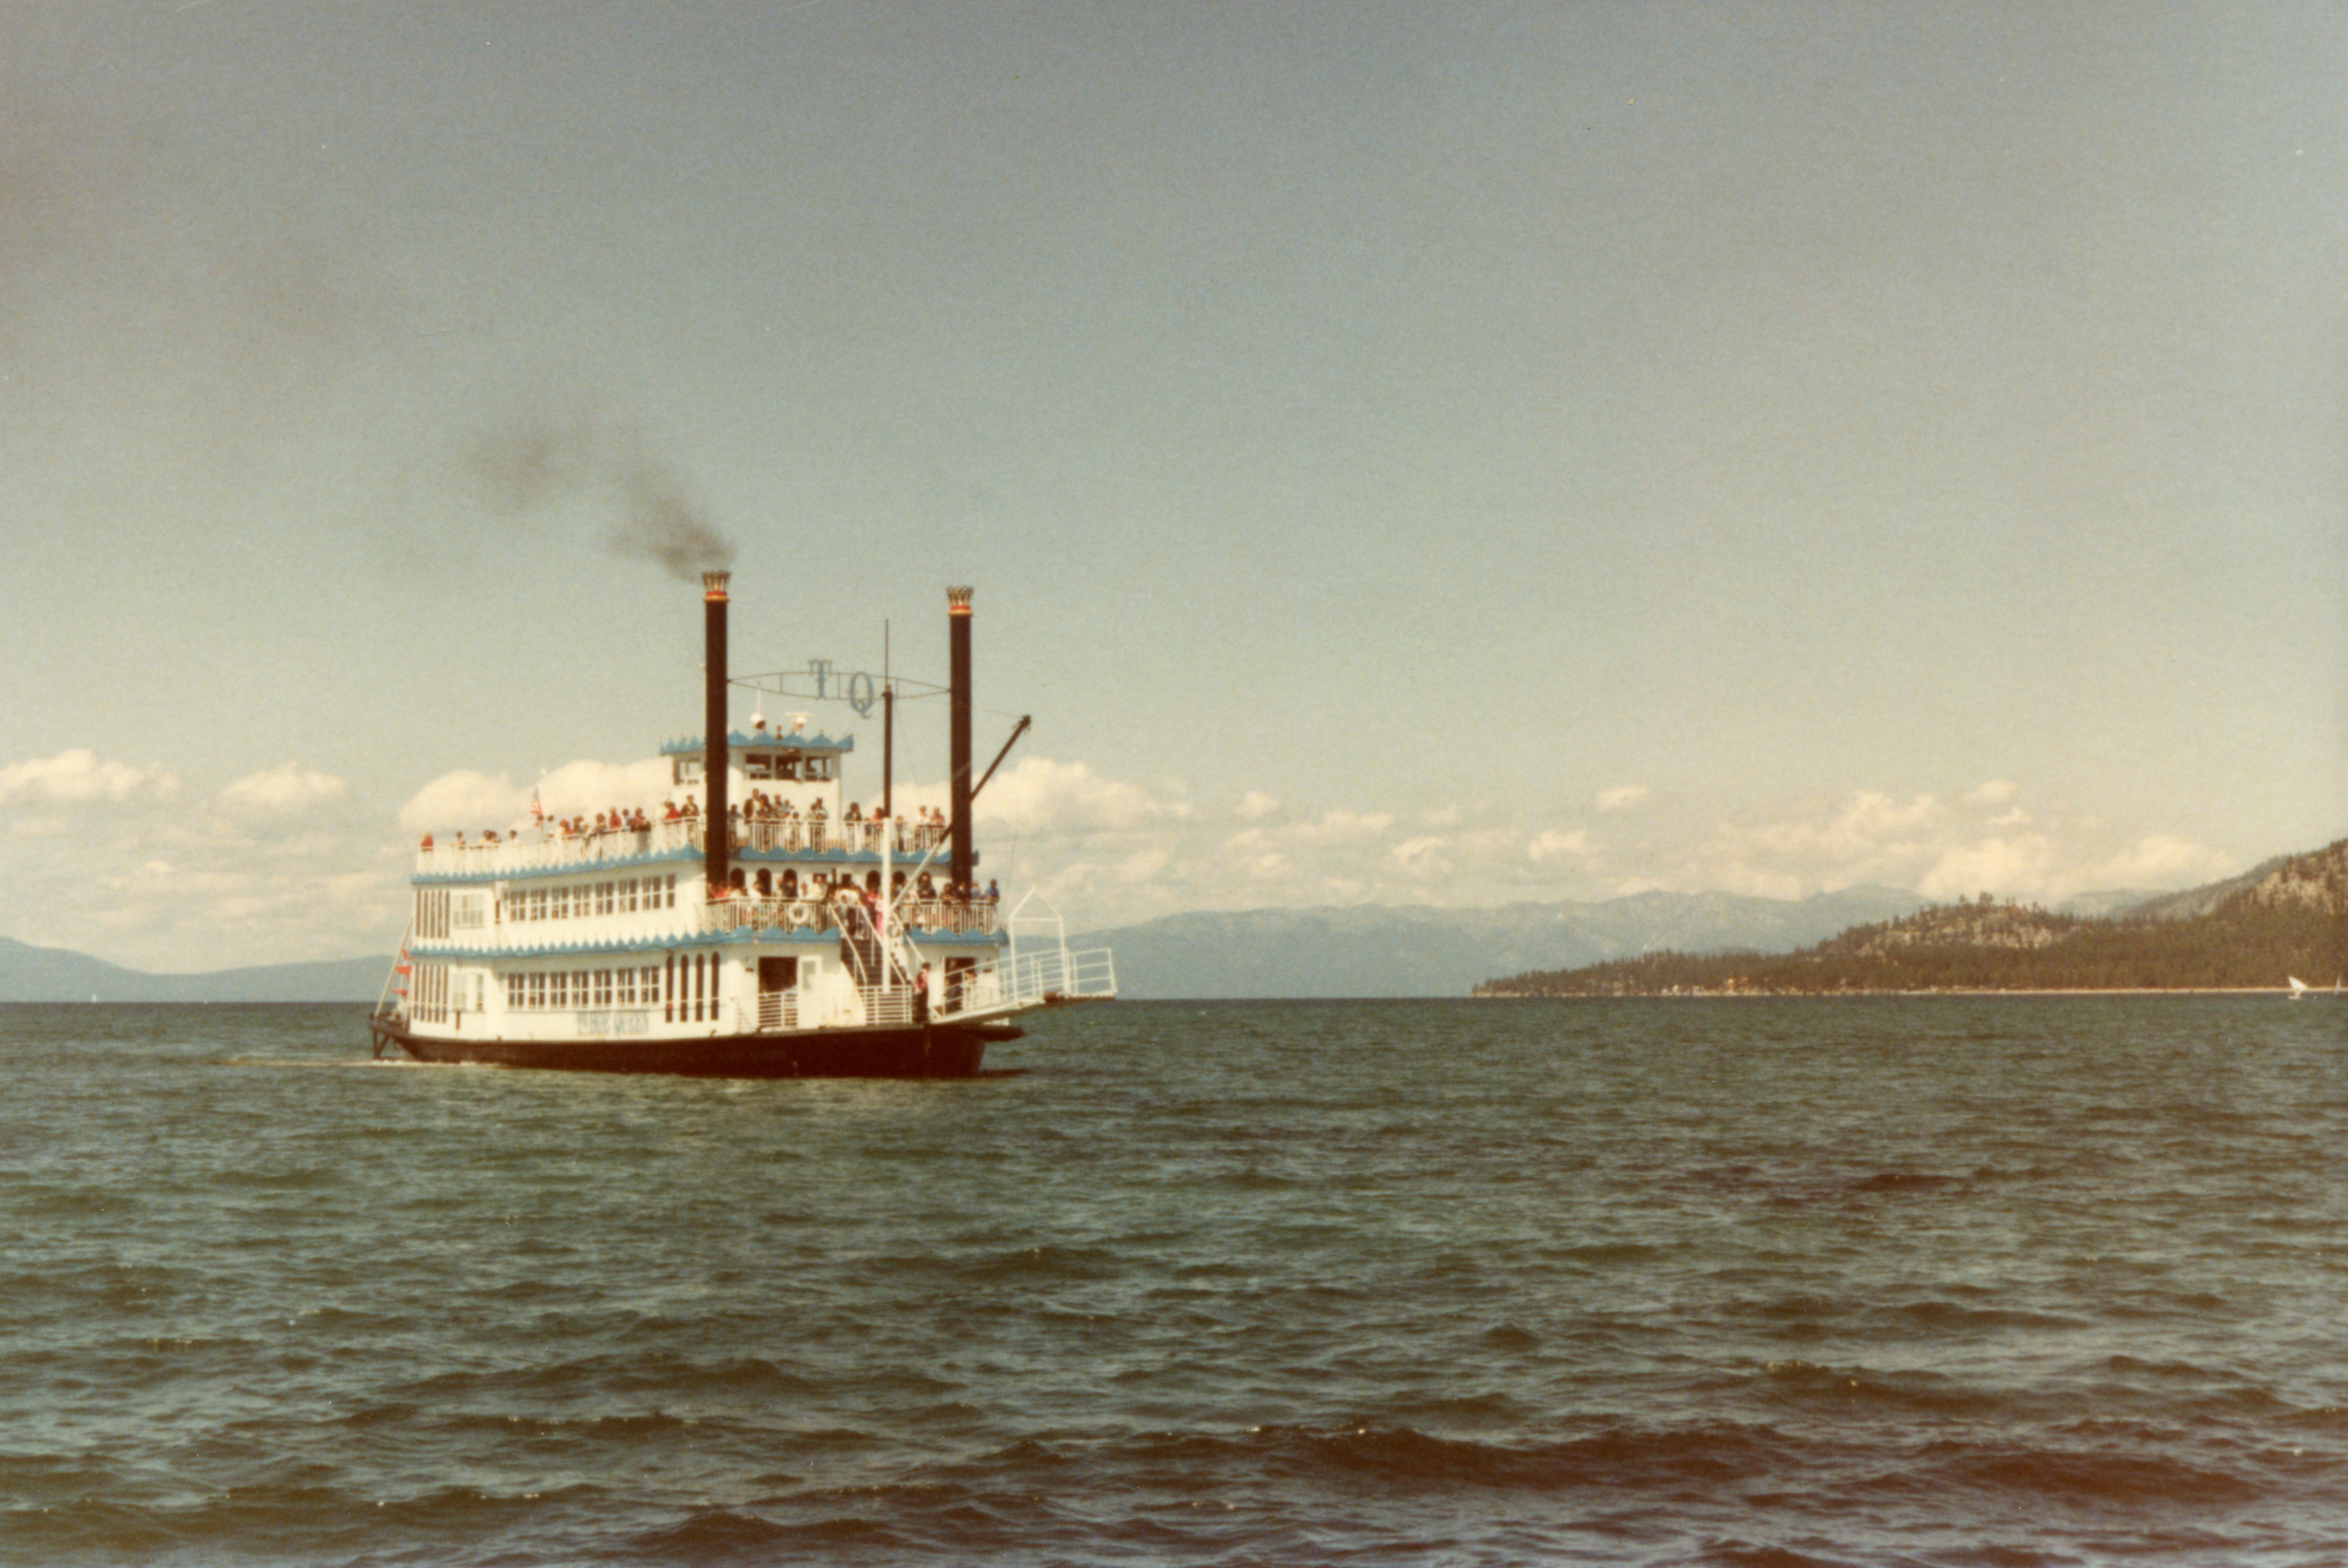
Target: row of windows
{"points": [[585, 988], [429, 1002], [820, 767], [564, 900], [440, 991], [685, 988], [816, 769]]}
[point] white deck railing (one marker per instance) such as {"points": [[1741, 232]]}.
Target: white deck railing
{"points": [[917, 916], [1056, 974], [558, 851], [555, 852], [793, 835]]}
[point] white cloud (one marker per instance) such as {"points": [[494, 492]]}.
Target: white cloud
{"points": [[1041, 795], [582, 789], [2162, 860], [78, 776], [1624, 797], [145, 878], [456, 801], [1940, 848], [1255, 806], [282, 789], [466, 800], [1420, 851], [2022, 864], [1553, 845]]}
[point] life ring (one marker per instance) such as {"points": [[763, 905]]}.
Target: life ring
{"points": [[801, 915]]}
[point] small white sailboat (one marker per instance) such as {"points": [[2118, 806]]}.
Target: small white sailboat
{"points": [[2300, 987]]}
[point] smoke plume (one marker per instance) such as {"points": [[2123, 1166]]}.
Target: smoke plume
{"points": [[535, 464]]}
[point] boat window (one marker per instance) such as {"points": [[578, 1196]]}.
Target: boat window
{"points": [[688, 768], [816, 769], [757, 764], [787, 765]]}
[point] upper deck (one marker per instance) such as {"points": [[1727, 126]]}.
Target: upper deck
{"points": [[551, 851]]}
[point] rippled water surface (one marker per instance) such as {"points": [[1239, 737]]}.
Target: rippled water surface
{"points": [[1997, 1283]]}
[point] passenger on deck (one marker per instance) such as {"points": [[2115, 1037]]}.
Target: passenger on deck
{"points": [[668, 810]]}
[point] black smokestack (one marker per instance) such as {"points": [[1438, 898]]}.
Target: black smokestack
{"points": [[716, 838], [957, 651]]}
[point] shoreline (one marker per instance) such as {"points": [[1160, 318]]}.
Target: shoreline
{"points": [[1692, 995]]}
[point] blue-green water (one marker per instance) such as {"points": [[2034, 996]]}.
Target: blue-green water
{"points": [[1960, 1281]]}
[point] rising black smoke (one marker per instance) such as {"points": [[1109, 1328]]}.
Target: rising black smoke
{"points": [[535, 464]]}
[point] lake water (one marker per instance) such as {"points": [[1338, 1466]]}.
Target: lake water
{"points": [[1946, 1282]]}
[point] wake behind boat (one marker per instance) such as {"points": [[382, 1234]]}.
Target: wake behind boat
{"points": [[754, 925]]}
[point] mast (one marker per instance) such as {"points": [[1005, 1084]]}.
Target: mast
{"points": [[958, 648], [716, 833], [887, 734]]}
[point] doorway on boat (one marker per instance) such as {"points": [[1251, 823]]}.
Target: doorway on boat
{"points": [[778, 980], [958, 972]]}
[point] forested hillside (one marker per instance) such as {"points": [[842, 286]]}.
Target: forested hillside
{"points": [[2292, 920]]}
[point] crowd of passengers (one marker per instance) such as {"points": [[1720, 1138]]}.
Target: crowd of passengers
{"points": [[929, 823], [822, 886]]}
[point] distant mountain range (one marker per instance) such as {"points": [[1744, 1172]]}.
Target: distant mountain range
{"points": [[30, 974], [1378, 950]]}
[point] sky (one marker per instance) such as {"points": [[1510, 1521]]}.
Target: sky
{"points": [[1404, 453]]}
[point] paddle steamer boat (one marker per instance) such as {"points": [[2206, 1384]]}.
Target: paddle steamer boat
{"points": [[787, 941]]}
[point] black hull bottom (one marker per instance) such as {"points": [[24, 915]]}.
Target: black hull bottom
{"points": [[938, 1050]]}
